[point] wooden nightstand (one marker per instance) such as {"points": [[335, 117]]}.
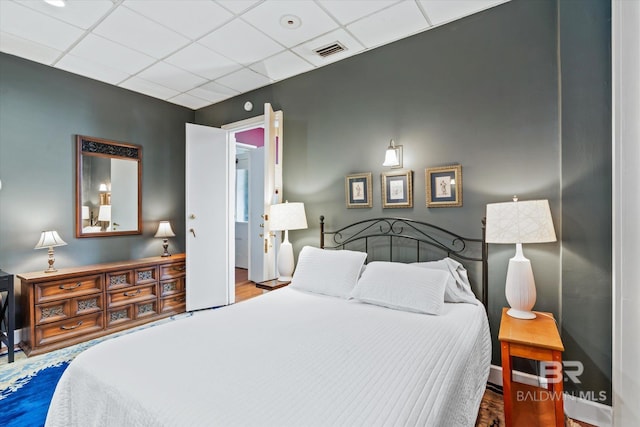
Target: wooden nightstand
{"points": [[536, 339], [270, 285]]}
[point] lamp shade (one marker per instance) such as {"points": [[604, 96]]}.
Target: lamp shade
{"points": [[85, 212], [391, 156], [287, 216], [164, 230], [104, 214], [520, 222], [50, 239]]}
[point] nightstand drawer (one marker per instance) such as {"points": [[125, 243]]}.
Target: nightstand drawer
{"points": [[70, 288], [169, 271], [65, 309], [60, 331]]}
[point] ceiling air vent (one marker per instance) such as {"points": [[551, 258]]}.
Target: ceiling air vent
{"points": [[331, 49]]}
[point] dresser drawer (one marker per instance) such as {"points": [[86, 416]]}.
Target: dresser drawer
{"points": [[67, 329], [131, 295], [119, 279], [172, 286], [169, 271], [65, 309], [146, 275], [175, 303], [129, 312], [70, 288]]}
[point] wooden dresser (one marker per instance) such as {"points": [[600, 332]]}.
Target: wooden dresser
{"points": [[77, 304]]}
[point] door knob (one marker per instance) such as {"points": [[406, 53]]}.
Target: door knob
{"points": [[192, 216], [193, 232]]}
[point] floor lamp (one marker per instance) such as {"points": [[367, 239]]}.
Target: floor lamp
{"points": [[284, 217], [520, 222]]}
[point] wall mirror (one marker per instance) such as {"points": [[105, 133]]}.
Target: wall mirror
{"points": [[108, 188]]}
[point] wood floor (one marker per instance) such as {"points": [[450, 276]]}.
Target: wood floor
{"points": [[245, 288]]}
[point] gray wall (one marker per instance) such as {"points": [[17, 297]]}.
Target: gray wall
{"points": [[482, 92], [585, 47], [41, 110]]}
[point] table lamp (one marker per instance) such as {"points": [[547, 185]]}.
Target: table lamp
{"points": [[284, 217], [165, 231], [520, 222], [49, 239]]}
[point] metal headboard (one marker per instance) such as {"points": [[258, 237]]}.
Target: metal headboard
{"points": [[418, 234]]}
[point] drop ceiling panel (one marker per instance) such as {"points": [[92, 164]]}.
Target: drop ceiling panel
{"points": [[389, 25], [244, 80], [128, 28], [91, 69], [267, 18], [81, 13], [32, 25], [241, 42], [347, 11], [172, 77], [282, 66], [202, 61], [32, 51], [195, 51], [106, 52], [191, 18]]}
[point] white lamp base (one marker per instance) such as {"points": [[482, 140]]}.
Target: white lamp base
{"points": [[520, 288], [285, 259]]}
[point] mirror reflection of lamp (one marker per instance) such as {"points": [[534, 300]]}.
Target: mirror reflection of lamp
{"points": [[104, 215], [105, 194]]}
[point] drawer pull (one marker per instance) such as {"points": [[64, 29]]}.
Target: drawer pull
{"points": [[183, 268], [132, 294], [70, 288], [68, 328]]}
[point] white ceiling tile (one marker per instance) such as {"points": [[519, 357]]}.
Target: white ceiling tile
{"points": [[282, 65], [137, 84], [267, 16], [91, 69], [191, 18], [37, 27], [81, 13], [244, 80], [237, 6], [106, 52], [213, 92], [347, 11], [189, 101], [131, 29], [441, 11], [389, 25], [241, 42], [172, 77], [307, 50], [32, 51], [203, 62]]}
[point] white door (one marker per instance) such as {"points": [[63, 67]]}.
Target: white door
{"points": [[259, 239], [210, 203]]}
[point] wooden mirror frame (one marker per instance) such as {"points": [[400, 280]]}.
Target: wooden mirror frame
{"points": [[98, 147]]}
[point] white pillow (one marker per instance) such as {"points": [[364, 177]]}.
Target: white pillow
{"points": [[458, 288], [328, 272], [402, 287]]}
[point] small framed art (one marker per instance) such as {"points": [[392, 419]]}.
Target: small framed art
{"points": [[444, 186], [397, 189], [358, 190]]}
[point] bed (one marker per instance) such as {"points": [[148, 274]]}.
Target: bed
{"points": [[340, 346]]}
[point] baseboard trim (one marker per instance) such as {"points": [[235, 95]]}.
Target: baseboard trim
{"points": [[577, 408]]}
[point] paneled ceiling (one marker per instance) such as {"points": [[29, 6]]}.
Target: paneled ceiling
{"points": [[198, 52]]}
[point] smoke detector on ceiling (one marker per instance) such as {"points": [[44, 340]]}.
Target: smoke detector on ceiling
{"points": [[330, 49], [290, 22]]}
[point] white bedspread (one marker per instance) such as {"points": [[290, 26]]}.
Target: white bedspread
{"points": [[287, 358]]}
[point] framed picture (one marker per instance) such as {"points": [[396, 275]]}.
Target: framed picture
{"points": [[358, 190], [444, 186], [397, 189]]}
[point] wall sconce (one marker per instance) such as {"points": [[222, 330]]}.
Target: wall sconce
{"points": [[393, 156], [49, 239], [165, 231]]}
